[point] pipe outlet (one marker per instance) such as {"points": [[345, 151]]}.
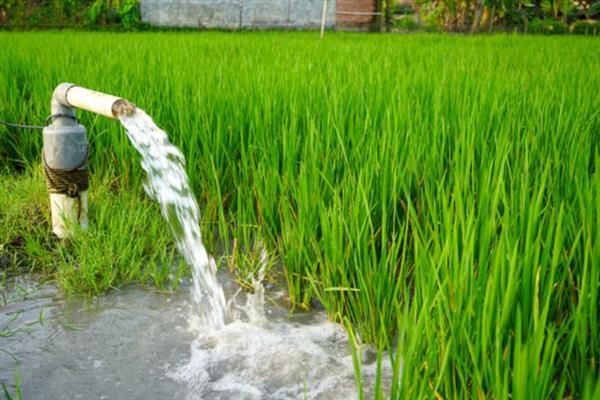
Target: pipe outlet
{"points": [[69, 96]]}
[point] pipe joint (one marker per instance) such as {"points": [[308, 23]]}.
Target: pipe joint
{"points": [[60, 94]]}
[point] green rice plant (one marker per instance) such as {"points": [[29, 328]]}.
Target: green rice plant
{"points": [[127, 240], [437, 194], [17, 394], [25, 243]]}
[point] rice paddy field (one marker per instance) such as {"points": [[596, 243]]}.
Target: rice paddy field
{"points": [[438, 195]]}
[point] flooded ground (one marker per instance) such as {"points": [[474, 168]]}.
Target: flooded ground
{"points": [[135, 344]]}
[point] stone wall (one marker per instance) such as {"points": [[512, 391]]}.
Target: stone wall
{"points": [[236, 13]]}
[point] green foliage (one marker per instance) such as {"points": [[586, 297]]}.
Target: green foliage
{"points": [[437, 193], [129, 12], [402, 8], [407, 22], [94, 14], [544, 16], [587, 27], [17, 393], [124, 13], [105, 256], [97, 11], [547, 26], [24, 217]]}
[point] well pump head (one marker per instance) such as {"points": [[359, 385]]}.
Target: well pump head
{"points": [[65, 151]]}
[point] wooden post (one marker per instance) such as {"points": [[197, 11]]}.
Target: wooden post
{"points": [[381, 16], [388, 15], [323, 18]]}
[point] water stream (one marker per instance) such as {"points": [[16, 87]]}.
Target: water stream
{"points": [[168, 184], [134, 344]]}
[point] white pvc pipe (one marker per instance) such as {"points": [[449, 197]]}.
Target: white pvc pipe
{"points": [[67, 212], [73, 96]]}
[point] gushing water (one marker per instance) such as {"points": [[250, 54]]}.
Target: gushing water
{"points": [[239, 350], [168, 184]]}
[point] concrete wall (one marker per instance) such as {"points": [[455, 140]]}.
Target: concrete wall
{"points": [[236, 13]]}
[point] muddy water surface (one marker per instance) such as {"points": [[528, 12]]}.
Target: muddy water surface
{"points": [[135, 344]]}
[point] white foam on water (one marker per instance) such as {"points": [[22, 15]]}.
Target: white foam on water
{"points": [[258, 356], [240, 352]]}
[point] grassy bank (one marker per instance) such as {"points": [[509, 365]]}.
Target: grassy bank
{"points": [[105, 258], [439, 193]]}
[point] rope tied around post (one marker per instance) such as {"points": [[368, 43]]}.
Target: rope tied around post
{"points": [[67, 181]]}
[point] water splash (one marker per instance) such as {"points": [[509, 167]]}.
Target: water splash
{"points": [[241, 350], [264, 354], [168, 184]]}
